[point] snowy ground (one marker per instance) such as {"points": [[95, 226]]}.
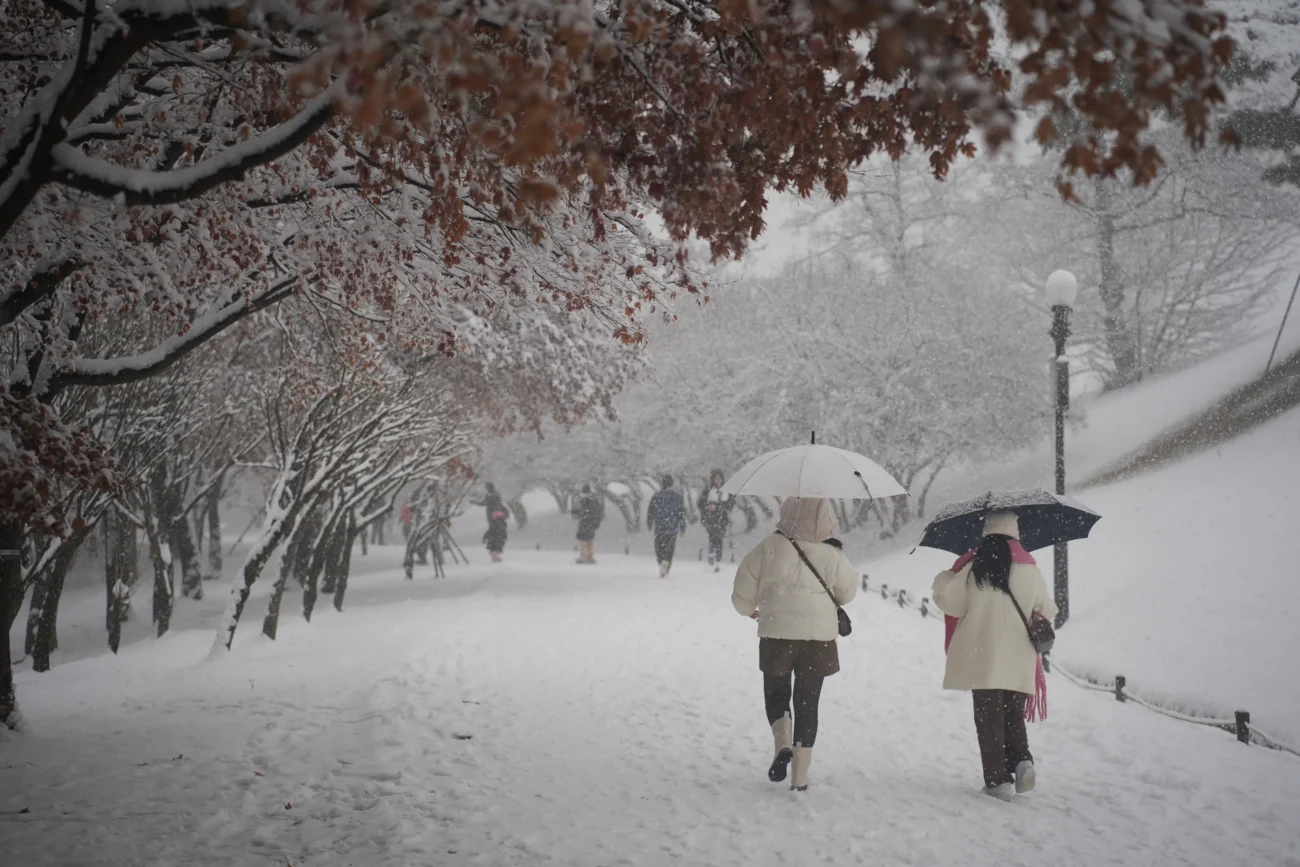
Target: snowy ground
{"points": [[612, 719]]}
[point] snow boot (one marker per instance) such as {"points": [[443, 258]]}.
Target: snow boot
{"points": [[1002, 791], [663, 568], [799, 775], [1026, 777], [783, 735]]}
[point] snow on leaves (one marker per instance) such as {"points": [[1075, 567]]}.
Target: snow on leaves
{"points": [[49, 448]]}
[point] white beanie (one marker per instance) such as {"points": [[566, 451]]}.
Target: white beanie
{"points": [[1002, 524]]}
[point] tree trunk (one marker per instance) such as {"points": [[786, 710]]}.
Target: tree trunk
{"points": [[257, 560], [182, 544], [520, 513], [214, 531], [1120, 340], [164, 592], [34, 611], [271, 623], [11, 576], [344, 566], [119, 566], [46, 639], [322, 559], [311, 588], [311, 531]]}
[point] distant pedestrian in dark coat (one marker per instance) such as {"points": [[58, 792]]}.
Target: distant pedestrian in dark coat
{"points": [[715, 515], [497, 530], [590, 512], [666, 518]]}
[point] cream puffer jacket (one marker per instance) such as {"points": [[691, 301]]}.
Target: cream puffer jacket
{"points": [[991, 647], [775, 582]]}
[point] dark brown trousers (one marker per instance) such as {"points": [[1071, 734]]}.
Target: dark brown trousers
{"points": [[1000, 725]]}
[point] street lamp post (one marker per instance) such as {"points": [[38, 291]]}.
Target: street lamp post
{"points": [[1061, 291]]}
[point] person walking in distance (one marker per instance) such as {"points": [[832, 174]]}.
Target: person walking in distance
{"points": [[497, 529], [590, 512], [666, 518], [715, 515], [793, 584], [990, 654], [406, 518]]}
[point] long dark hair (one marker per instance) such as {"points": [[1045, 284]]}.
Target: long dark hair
{"points": [[992, 563]]}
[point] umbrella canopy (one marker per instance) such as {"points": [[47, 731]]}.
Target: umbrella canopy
{"points": [[1044, 518], [813, 471]]}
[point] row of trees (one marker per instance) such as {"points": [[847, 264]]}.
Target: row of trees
{"points": [[331, 438]]}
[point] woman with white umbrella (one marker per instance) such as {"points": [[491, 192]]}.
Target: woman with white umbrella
{"points": [[795, 584]]}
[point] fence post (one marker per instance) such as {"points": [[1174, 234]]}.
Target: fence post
{"points": [[902, 598], [884, 591], [1120, 683], [925, 606], [864, 582], [1243, 726], [1047, 663]]}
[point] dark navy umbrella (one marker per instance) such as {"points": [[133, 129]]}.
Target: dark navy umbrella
{"points": [[1044, 519]]}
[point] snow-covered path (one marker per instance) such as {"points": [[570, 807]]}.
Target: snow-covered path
{"points": [[612, 719]]}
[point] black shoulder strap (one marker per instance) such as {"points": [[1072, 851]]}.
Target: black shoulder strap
{"points": [[816, 574], [1021, 612]]}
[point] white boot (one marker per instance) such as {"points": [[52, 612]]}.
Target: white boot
{"points": [[1002, 791], [783, 736], [663, 568], [1026, 777], [802, 761]]}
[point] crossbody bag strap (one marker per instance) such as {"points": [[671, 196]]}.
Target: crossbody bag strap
{"points": [[816, 574], [1021, 612]]}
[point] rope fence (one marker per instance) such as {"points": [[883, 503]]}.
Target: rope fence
{"points": [[1240, 725]]}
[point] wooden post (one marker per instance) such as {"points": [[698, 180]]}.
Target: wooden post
{"points": [[925, 606], [884, 591], [864, 582], [1243, 726], [902, 598], [1120, 683]]}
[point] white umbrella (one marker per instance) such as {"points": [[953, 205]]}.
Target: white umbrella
{"points": [[814, 471]]}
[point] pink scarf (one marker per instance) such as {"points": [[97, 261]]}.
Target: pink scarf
{"points": [[1036, 707]]}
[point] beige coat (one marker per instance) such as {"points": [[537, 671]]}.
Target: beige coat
{"points": [[991, 648], [790, 603]]}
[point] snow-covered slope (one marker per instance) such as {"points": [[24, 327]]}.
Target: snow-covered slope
{"points": [[1188, 585], [537, 713]]}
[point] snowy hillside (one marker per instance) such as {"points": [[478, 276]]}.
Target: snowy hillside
{"points": [[1188, 584], [533, 714]]}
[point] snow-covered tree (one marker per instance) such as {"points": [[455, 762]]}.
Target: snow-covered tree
{"points": [[194, 164]]}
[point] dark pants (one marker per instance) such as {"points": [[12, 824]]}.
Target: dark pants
{"points": [[715, 544], [807, 695], [1000, 725], [665, 547]]}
